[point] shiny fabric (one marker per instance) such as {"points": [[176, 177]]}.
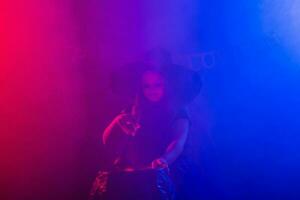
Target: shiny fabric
{"points": [[146, 184]]}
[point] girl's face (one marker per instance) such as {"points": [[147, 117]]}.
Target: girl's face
{"points": [[153, 86]]}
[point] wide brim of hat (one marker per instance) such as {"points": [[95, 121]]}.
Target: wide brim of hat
{"points": [[185, 84]]}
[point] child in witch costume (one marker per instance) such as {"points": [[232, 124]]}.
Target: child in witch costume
{"points": [[149, 135]]}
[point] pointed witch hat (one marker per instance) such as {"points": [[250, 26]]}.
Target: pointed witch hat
{"points": [[185, 83]]}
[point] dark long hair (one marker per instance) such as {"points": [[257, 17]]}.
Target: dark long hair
{"points": [[167, 106]]}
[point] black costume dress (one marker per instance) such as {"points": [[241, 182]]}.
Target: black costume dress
{"points": [[137, 153]]}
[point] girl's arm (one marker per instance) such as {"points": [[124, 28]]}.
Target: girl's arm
{"points": [[109, 130], [175, 148]]}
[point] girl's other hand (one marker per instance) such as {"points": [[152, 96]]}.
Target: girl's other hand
{"points": [[128, 124], [159, 163]]}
